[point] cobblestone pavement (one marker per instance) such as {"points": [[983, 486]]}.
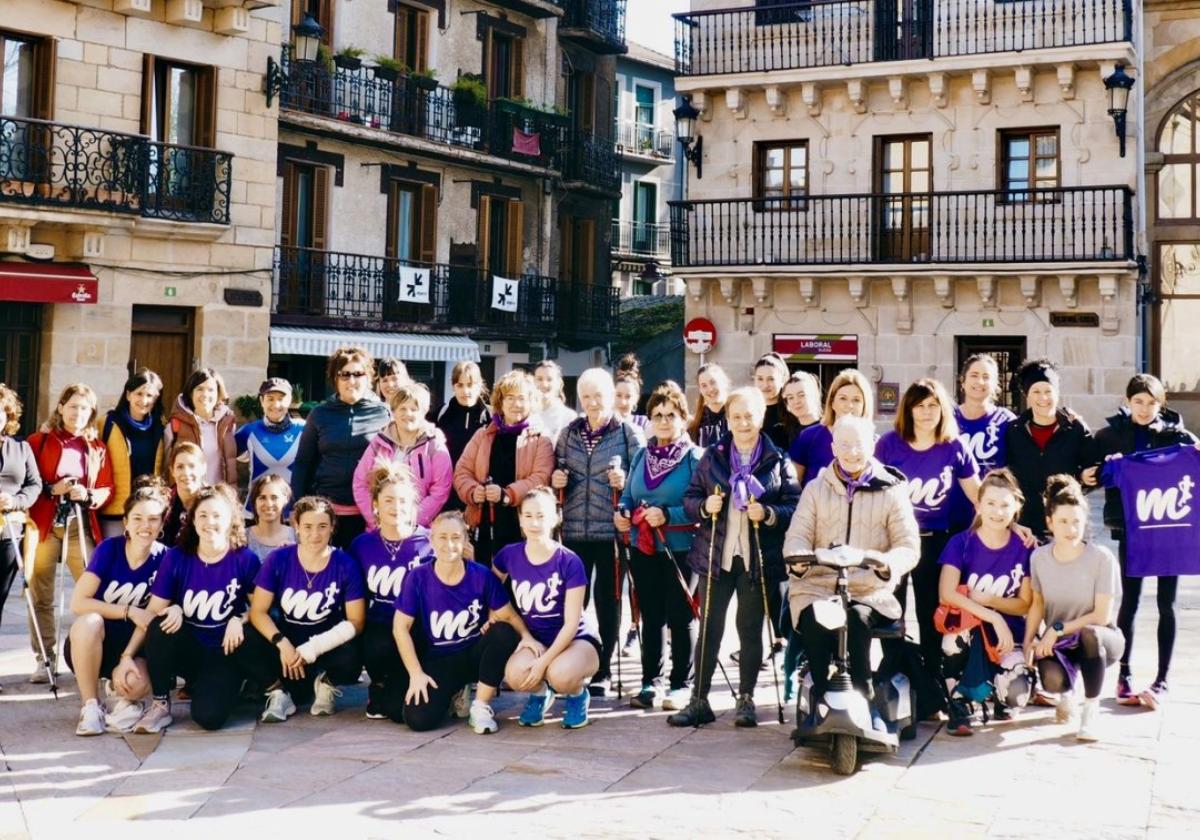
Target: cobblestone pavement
{"points": [[626, 775]]}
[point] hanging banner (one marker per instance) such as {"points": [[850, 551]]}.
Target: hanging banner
{"points": [[414, 285], [504, 293]]}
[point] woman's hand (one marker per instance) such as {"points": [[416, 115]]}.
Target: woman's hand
{"points": [[533, 646], [1030, 655], [1088, 477], [172, 619], [1045, 646], [479, 494], [713, 504], [418, 688], [292, 661], [655, 517], [559, 478], [234, 636], [1004, 639], [621, 522], [62, 486], [616, 478], [7, 502], [126, 673], [492, 493], [755, 512], [1025, 535], [140, 617]]}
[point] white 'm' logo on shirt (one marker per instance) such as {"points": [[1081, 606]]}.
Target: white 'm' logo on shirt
{"points": [[932, 493], [449, 626], [543, 595], [216, 606], [1173, 503], [306, 607]]}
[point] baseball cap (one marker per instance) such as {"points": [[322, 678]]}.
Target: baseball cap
{"points": [[275, 383]]}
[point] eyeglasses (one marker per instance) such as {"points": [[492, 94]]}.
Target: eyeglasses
{"points": [[351, 374], [658, 417]]}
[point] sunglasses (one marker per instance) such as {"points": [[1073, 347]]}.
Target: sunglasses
{"points": [[351, 374]]}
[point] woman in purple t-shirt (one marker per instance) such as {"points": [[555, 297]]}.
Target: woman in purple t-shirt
{"points": [[812, 450], [548, 583]]}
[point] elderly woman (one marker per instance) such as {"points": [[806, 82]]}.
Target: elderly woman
{"points": [[860, 502], [202, 416], [592, 458], [335, 436], [20, 486], [849, 393], [743, 493], [502, 462]]}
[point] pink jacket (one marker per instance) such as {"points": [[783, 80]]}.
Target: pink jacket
{"points": [[432, 470]]}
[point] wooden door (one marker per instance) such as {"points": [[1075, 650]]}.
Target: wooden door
{"points": [[903, 29], [162, 340], [903, 187]]}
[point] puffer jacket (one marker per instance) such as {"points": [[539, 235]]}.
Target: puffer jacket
{"points": [[1119, 437], [879, 518], [1071, 450], [535, 461], [588, 505], [781, 491], [184, 425], [427, 459], [335, 435]]}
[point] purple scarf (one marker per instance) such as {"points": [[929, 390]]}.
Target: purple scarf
{"points": [[591, 439], [660, 460], [505, 429], [742, 482], [853, 484]]}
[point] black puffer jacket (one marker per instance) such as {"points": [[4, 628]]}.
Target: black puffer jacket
{"points": [[1071, 450], [1119, 436]]}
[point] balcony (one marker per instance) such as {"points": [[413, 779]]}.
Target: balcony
{"points": [[641, 239], [834, 33], [331, 288], [645, 142], [532, 8], [54, 165], [498, 128], [589, 312], [595, 25], [1068, 224], [590, 165]]}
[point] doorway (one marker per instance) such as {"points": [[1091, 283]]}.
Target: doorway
{"points": [[1008, 351], [903, 29], [162, 340], [20, 357]]}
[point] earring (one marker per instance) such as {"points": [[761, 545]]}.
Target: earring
{"points": [[126, 533]]}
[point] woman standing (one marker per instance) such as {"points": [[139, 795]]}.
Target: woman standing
{"points": [[77, 482], [801, 397], [335, 436], [413, 440], [1074, 585], [187, 466], [269, 497], [504, 460], [200, 597], [708, 420], [982, 427], [741, 531], [652, 508], [812, 450], [133, 433], [627, 394], [593, 455], [391, 373], [20, 487], [554, 413], [111, 601], [770, 375], [466, 412], [201, 416], [1144, 422]]}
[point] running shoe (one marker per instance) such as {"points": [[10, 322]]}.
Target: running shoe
{"points": [[960, 719], [1125, 695], [746, 714], [91, 719], [1065, 710], [156, 719], [375, 703], [325, 696], [40, 675], [576, 714], [697, 713], [279, 707], [481, 719], [645, 698], [537, 707], [1088, 714], [1001, 712], [676, 699], [630, 641], [124, 715], [1154, 696], [600, 687]]}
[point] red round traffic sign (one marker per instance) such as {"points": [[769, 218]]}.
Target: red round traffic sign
{"points": [[699, 335]]}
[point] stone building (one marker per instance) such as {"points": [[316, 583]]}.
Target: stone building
{"points": [[137, 200], [436, 161], [894, 186]]}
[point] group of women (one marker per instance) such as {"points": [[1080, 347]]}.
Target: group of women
{"points": [[489, 542]]}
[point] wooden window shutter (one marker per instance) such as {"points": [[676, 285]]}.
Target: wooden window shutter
{"points": [[400, 36], [587, 244], [428, 232], [206, 107], [421, 59], [587, 103], [485, 231], [287, 228], [147, 93], [393, 209], [297, 11], [320, 207], [325, 18], [566, 239], [514, 247], [45, 59], [517, 71], [489, 78]]}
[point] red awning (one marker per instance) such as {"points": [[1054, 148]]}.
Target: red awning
{"points": [[47, 283]]}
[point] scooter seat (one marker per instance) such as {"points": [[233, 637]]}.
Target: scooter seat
{"points": [[892, 630]]}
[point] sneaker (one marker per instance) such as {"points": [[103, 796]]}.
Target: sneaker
{"points": [[745, 714], [1125, 695], [40, 675], [279, 706], [1155, 695], [645, 698], [600, 687], [576, 714], [481, 719], [91, 719], [156, 718], [676, 699], [1041, 698], [960, 719], [460, 706], [325, 696], [1088, 713], [124, 715], [696, 713], [1065, 710], [537, 707], [374, 703]]}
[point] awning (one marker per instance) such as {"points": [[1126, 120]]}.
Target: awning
{"points": [[47, 283], [408, 347]]}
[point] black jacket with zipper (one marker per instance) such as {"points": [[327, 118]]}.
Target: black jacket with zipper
{"points": [[1120, 436], [1070, 450]]}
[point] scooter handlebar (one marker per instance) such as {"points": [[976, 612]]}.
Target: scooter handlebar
{"points": [[835, 557]]}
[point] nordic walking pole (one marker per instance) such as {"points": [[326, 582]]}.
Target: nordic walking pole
{"points": [[37, 630], [614, 463], [561, 464], [712, 542], [762, 583]]}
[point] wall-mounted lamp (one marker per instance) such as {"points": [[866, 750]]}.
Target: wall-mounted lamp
{"points": [[1118, 86], [685, 124], [306, 42]]}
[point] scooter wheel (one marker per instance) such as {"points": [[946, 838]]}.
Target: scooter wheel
{"points": [[845, 754]]}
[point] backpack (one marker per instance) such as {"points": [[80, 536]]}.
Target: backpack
{"points": [[903, 656]]}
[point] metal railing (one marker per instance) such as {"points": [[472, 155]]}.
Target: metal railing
{"points": [[592, 161], [602, 20], [641, 239], [52, 164], [589, 310], [828, 33], [641, 139], [359, 290], [983, 226]]}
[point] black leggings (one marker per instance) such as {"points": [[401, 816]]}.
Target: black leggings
{"points": [[664, 607], [749, 626], [1168, 586], [821, 645], [1098, 648], [214, 680], [483, 661], [342, 665], [598, 562], [925, 589], [8, 566], [389, 679]]}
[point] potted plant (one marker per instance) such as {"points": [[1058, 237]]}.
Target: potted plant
{"points": [[426, 80], [388, 68], [470, 100], [349, 58]]}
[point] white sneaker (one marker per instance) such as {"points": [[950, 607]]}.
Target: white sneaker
{"points": [[124, 715], [460, 706], [325, 696], [676, 699], [91, 719], [108, 695], [279, 707], [40, 675], [1088, 714], [1065, 710], [156, 718], [482, 719]]}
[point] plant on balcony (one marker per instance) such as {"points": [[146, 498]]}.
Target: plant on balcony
{"points": [[349, 57], [388, 68], [248, 407], [424, 79], [470, 100]]}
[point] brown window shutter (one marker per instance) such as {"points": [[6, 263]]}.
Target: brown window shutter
{"points": [[428, 232], [297, 11], [206, 107], [45, 60], [489, 78], [393, 207], [485, 231], [400, 38], [320, 207], [514, 246], [148, 104], [287, 229], [587, 244], [421, 59], [565, 241], [325, 18], [517, 72]]}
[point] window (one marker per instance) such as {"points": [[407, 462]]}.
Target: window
{"points": [[645, 217], [303, 235], [1029, 160], [1009, 353], [322, 12], [26, 92], [781, 173], [1177, 180], [501, 235], [179, 103], [643, 117], [504, 64], [412, 37], [577, 262], [1178, 344], [412, 222], [581, 100]]}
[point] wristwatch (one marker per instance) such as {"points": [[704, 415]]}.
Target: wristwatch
{"points": [[277, 638], [1057, 627]]}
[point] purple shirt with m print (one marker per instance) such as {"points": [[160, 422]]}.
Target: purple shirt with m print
{"points": [[450, 617], [209, 593], [1162, 518], [931, 474]]}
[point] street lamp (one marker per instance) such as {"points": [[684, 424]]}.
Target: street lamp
{"points": [[1118, 86], [306, 43], [685, 123]]}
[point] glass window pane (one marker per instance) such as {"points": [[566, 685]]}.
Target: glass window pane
{"points": [[405, 210], [893, 156], [773, 159], [1047, 167], [1179, 130], [920, 154], [16, 97], [182, 88], [893, 182], [1018, 147], [1047, 145], [1179, 268], [799, 153], [1175, 191], [1179, 343], [797, 180], [920, 181]]}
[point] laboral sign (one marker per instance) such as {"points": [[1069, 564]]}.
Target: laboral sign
{"points": [[817, 348]]}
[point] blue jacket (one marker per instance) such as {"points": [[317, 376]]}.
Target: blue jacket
{"points": [[333, 440], [668, 495]]}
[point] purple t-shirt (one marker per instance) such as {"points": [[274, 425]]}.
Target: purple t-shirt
{"points": [[1162, 517], [120, 584], [306, 607], [450, 617], [931, 474], [209, 593], [813, 450], [996, 571], [385, 568], [540, 590], [985, 439]]}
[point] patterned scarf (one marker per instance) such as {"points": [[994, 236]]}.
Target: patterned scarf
{"points": [[853, 484], [660, 460], [741, 480], [505, 429]]}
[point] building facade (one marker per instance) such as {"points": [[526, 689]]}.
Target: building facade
{"points": [[446, 173], [896, 186], [137, 201]]}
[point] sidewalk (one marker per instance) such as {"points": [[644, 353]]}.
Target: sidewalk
{"points": [[626, 775]]}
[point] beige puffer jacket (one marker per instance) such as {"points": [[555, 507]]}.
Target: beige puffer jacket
{"points": [[880, 519]]}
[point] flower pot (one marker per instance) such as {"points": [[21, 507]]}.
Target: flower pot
{"points": [[388, 74], [425, 83], [348, 62]]}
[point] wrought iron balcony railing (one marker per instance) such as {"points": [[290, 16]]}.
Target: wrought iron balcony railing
{"points": [[590, 162], [52, 164], [1067, 224], [641, 239], [589, 311], [598, 25], [357, 290], [789, 35], [645, 140]]}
